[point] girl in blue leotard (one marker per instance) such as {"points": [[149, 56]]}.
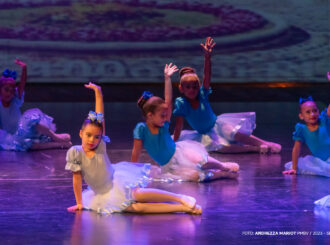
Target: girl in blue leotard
{"points": [[227, 133], [315, 133], [184, 160]]}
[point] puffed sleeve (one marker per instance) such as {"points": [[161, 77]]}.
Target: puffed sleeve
{"points": [[73, 159], [298, 133], [204, 93], [325, 118], [138, 132], [179, 107]]}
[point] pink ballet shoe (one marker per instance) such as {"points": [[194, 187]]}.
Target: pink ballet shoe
{"points": [[275, 148], [64, 137]]}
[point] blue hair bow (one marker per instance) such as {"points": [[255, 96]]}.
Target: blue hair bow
{"points": [[93, 116], [147, 95], [9, 73], [303, 100]]}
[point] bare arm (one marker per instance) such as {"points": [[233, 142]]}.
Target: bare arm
{"points": [[207, 47], [168, 72], [137, 148], [21, 86], [295, 155], [99, 105], [178, 127], [77, 189]]}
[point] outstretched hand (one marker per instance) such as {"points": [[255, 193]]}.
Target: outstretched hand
{"points": [[170, 69], [93, 86], [75, 208], [20, 63], [209, 45], [290, 172]]}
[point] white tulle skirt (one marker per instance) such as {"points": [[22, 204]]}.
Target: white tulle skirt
{"points": [[26, 133], [126, 177], [224, 130], [185, 164], [311, 165]]}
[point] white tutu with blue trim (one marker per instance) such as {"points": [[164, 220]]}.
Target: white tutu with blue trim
{"points": [[26, 133], [126, 177], [311, 165], [185, 164], [224, 130]]}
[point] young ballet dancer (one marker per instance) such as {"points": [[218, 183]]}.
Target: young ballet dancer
{"points": [[226, 133], [315, 133], [184, 160], [33, 129], [115, 187]]}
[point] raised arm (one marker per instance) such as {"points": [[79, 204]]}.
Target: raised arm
{"points": [[77, 189], [207, 47], [99, 106], [168, 72], [21, 86], [295, 155]]}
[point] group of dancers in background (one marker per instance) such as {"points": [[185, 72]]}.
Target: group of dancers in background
{"points": [[122, 187]]}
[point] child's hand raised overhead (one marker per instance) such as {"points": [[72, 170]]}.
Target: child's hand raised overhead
{"points": [[92, 86], [208, 46], [170, 69], [20, 63]]}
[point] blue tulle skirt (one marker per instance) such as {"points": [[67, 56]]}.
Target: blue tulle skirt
{"points": [[224, 130], [311, 165], [26, 134], [126, 178]]}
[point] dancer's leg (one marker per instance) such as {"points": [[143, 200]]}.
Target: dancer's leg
{"points": [[263, 145], [157, 195], [215, 164], [161, 208], [214, 174], [55, 137]]}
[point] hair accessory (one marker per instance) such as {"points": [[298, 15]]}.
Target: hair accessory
{"points": [[147, 95], [93, 116], [143, 99], [303, 100], [106, 138], [8, 73]]}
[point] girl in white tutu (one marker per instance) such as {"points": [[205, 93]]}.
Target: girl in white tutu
{"points": [[115, 187], [185, 160], [226, 133], [33, 129], [315, 133]]}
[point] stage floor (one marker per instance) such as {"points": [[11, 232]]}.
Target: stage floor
{"points": [[261, 207]]}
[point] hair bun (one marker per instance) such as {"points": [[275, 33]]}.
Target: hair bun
{"points": [[186, 70]]}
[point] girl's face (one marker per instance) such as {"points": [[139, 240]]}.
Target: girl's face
{"points": [[158, 118], [90, 137], [309, 113], [190, 89], [7, 92]]}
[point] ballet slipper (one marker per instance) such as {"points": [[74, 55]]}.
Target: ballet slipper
{"points": [[264, 148], [63, 137], [188, 201], [231, 166], [275, 148], [196, 210]]}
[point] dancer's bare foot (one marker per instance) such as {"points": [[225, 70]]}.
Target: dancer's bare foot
{"points": [[231, 166]]}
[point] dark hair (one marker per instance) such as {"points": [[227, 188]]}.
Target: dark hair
{"points": [[94, 123], [150, 104], [188, 70]]}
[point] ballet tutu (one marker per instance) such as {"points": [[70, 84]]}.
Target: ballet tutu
{"points": [[26, 134], [126, 177], [185, 164], [311, 165], [224, 130]]}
